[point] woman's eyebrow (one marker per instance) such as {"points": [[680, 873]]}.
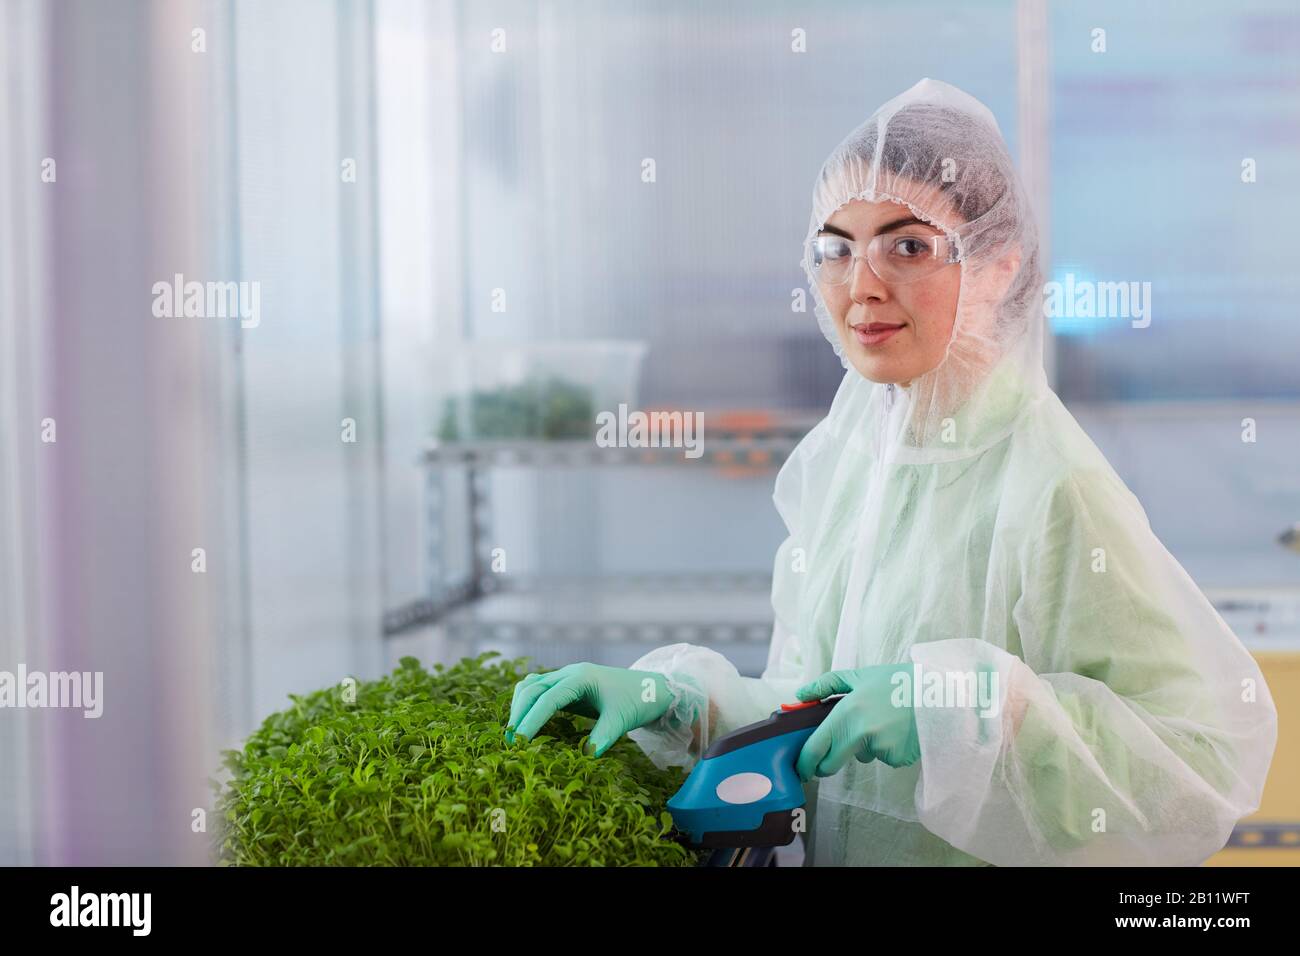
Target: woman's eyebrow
{"points": [[835, 232], [899, 223], [887, 227]]}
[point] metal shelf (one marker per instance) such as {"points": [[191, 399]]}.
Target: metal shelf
{"points": [[1264, 619], [608, 610], [757, 448], [710, 607]]}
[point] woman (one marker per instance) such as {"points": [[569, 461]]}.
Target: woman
{"points": [[949, 517]]}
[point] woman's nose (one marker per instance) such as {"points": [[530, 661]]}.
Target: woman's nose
{"points": [[865, 284]]}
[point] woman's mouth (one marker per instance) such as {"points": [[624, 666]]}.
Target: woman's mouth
{"points": [[874, 333]]}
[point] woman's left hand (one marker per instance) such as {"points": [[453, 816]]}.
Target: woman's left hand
{"points": [[875, 721]]}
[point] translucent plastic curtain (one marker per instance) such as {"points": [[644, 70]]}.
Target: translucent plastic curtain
{"points": [[203, 531]]}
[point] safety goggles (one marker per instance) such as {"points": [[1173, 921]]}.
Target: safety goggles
{"points": [[896, 257]]}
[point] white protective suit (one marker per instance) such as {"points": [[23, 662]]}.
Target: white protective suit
{"points": [[966, 523]]}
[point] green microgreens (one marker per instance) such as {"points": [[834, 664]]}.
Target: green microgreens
{"points": [[416, 771]]}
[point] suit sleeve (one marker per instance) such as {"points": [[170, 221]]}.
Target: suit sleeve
{"points": [[1134, 730]]}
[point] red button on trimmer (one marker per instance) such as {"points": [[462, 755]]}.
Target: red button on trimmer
{"points": [[800, 706]]}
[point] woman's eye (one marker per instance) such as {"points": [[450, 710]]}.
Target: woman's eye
{"points": [[910, 247], [834, 250]]}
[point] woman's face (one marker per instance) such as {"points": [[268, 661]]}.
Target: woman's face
{"points": [[890, 333]]}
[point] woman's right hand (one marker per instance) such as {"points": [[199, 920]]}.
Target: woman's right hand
{"points": [[619, 699]]}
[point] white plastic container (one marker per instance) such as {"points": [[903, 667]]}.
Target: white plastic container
{"points": [[495, 390]]}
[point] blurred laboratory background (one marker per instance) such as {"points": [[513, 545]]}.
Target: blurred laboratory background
{"points": [[461, 257]]}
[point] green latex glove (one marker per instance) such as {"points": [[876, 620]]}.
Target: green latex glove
{"points": [[874, 722], [619, 699]]}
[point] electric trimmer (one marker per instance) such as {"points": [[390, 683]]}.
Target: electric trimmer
{"points": [[745, 790]]}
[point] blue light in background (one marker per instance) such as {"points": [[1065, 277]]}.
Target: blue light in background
{"points": [[1073, 325]]}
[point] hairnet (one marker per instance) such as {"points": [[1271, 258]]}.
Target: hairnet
{"points": [[939, 152]]}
